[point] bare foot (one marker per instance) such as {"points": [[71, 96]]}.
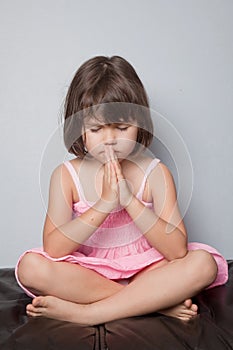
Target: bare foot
{"points": [[58, 309], [185, 311], [63, 310]]}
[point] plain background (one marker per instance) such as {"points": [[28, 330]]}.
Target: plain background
{"points": [[181, 49]]}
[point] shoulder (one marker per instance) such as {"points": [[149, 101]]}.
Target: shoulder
{"points": [[152, 165], [60, 172], [162, 178], [161, 169], [145, 162], [61, 177], [63, 168]]}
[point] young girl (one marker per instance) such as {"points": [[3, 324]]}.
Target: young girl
{"points": [[114, 243]]}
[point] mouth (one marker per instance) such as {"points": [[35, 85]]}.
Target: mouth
{"points": [[116, 152]]}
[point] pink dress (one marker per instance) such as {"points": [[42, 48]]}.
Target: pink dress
{"points": [[117, 249]]}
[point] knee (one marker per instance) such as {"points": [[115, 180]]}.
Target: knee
{"points": [[204, 267], [31, 269]]}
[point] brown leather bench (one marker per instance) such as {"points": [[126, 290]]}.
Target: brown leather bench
{"points": [[211, 329]]}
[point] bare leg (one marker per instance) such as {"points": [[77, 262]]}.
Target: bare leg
{"points": [[64, 280], [184, 311], [155, 290]]}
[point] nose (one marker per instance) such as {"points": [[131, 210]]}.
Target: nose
{"points": [[109, 137]]}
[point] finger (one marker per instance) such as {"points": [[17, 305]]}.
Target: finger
{"points": [[118, 170], [113, 174], [107, 171], [107, 155], [112, 154]]}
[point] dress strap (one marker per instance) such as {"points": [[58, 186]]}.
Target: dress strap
{"points": [[150, 167], [75, 178]]}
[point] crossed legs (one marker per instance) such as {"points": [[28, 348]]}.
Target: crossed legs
{"points": [[64, 280], [85, 297]]}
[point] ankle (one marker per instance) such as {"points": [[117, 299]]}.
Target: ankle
{"points": [[87, 315]]}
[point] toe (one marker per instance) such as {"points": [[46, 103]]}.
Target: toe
{"points": [[39, 302], [35, 310], [188, 313], [188, 303], [32, 311], [31, 308], [33, 314], [185, 318], [194, 308]]}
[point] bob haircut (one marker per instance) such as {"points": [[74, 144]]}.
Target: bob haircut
{"points": [[108, 89]]}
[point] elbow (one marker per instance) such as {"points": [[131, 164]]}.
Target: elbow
{"points": [[57, 249], [181, 253], [182, 249], [53, 253], [53, 250], [178, 254]]}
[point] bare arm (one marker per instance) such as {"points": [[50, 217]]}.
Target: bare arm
{"points": [[61, 234], [163, 227]]}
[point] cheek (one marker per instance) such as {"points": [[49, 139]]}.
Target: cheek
{"points": [[93, 145], [91, 140], [126, 146], [133, 133]]}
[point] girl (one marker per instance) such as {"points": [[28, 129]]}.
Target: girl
{"points": [[114, 243]]}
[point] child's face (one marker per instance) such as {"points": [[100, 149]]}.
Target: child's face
{"points": [[120, 136]]}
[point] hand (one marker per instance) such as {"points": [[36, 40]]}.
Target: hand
{"points": [[124, 193], [110, 190]]}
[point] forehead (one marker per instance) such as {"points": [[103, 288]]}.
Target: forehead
{"points": [[93, 121], [111, 113]]}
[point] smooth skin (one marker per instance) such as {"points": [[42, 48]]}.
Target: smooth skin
{"points": [[72, 293]]}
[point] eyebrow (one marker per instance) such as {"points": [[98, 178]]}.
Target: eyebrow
{"points": [[96, 124]]}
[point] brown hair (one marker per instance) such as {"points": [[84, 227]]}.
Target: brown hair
{"points": [[109, 86]]}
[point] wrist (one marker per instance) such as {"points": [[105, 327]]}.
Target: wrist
{"points": [[126, 193], [132, 207], [103, 206], [143, 217], [128, 202]]}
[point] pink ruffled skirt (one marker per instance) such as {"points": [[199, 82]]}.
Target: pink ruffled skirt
{"points": [[121, 263]]}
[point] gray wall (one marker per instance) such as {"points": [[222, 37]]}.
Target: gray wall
{"points": [[181, 49]]}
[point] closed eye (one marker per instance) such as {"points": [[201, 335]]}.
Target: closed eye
{"points": [[122, 128], [95, 129]]}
